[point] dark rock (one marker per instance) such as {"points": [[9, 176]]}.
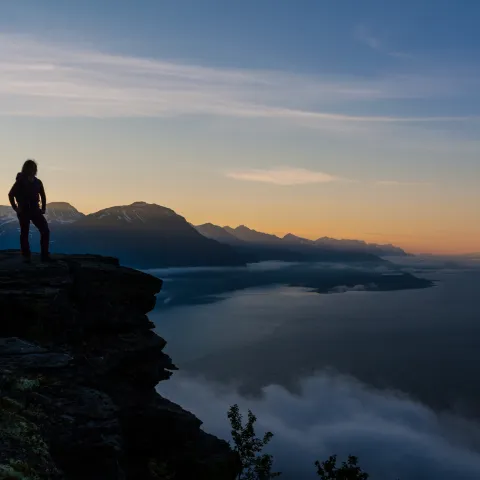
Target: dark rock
{"points": [[78, 368], [16, 346], [35, 361]]}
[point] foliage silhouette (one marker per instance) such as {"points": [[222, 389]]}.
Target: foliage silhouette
{"points": [[255, 465], [349, 470]]}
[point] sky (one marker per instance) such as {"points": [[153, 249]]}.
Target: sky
{"points": [[347, 119]]}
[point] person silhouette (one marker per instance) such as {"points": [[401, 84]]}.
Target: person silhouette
{"points": [[25, 197]]}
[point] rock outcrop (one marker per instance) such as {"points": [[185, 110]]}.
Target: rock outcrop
{"points": [[79, 363]]}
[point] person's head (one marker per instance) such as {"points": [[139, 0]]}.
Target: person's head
{"points": [[29, 168]]}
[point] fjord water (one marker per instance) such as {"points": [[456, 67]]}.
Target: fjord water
{"points": [[388, 376]]}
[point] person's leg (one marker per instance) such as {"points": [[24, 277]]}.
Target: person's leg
{"points": [[24, 220], [41, 223]]}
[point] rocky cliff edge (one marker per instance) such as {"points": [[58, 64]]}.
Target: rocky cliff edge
{"points": [[79, 363]]}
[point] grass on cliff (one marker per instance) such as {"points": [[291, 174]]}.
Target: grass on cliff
{"points": [[24, 455], [256, 465]]}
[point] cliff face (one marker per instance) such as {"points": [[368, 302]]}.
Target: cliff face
{"points": [[78, 368]]}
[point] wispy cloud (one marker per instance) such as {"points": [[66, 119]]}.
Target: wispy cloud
{"points": [[365, 36], [50, 80], [396, 183], [283, 176]]}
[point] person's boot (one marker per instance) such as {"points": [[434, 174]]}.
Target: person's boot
{"points": [[27, 259]]}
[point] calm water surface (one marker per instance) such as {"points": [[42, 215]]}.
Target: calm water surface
{"points": [[287, 350]]}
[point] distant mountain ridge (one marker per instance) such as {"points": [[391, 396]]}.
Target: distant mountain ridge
{"points": [[242, 233], [217, 233], [253, 236], [148, 235]]}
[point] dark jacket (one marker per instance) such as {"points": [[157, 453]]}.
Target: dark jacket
{"points": [[27, 194]]}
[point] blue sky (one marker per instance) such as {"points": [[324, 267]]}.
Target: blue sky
{"points": [[363, 116]]}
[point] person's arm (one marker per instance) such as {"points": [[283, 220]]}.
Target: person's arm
{"points": [[43, 198], [11, 196]]}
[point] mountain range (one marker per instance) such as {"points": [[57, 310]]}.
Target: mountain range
{"points": [[150, 236], [243, 235]]}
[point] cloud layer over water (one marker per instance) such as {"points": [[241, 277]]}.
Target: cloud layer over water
{"points": [[393, 436]]}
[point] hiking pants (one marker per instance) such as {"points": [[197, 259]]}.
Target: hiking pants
{"points": [[37, 218]]}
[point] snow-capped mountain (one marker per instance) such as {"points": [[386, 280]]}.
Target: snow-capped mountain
{"points": [[6, 211], [58, 213], [62, 213], [136, 214], [8, 220], [144, 235], [141, 234]]}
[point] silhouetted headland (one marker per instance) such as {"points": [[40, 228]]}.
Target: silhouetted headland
{"points": [[79, 363]]}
